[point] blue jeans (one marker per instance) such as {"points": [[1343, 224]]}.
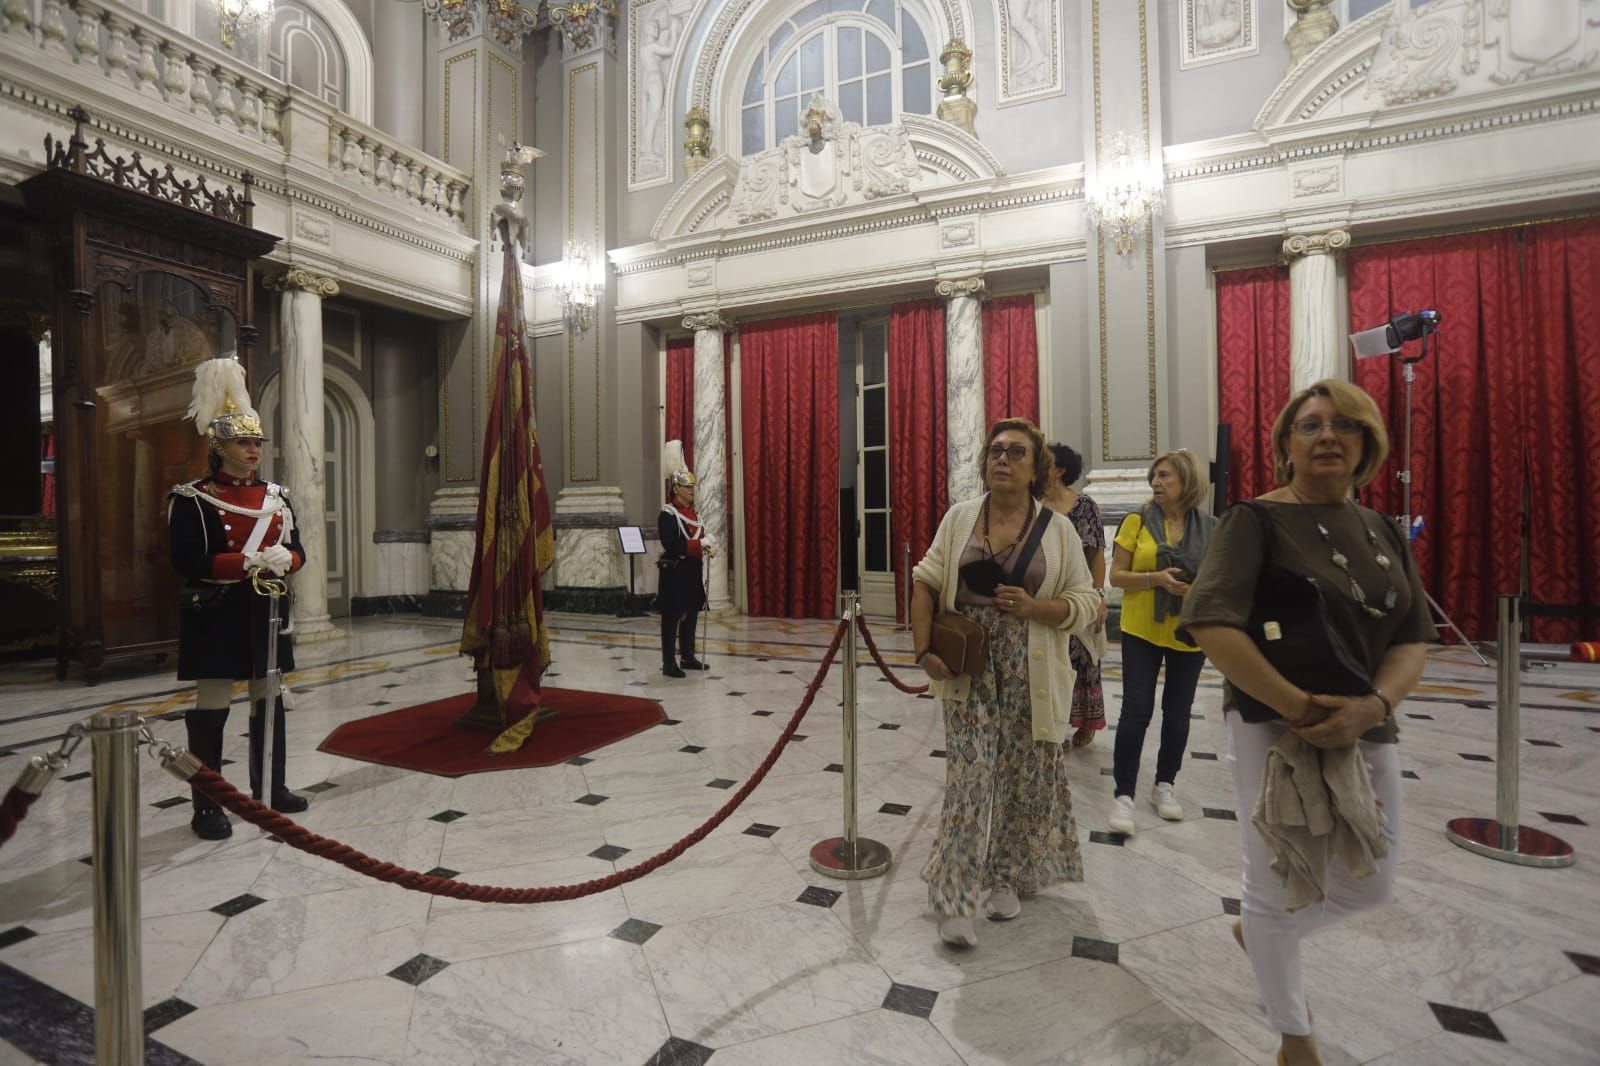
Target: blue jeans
{"points": [[1141, 665]]}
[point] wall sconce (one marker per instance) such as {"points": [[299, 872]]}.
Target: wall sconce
{"points": [[231, 14], [1124, 194], [578, 287]]}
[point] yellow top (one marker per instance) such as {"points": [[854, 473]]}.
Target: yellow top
{"points": [[1139, 605]]}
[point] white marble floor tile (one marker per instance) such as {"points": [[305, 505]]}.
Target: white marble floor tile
{"points": [[591, 1003], [10, 1056], [170, 947], [875, 1038], [1155, 1036], [718, 876], [291, 872], [501, 838], [359, 1023], [761, 972], [460, 929]]}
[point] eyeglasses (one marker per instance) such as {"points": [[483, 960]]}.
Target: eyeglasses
{"points": [[1344, 427], [1016, 452]]}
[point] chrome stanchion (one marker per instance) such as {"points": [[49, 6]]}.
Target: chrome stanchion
{"points": [[118, 989], [850, 857], [1501, 837]]}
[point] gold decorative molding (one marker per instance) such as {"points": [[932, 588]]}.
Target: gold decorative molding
{"points": [[300, 279], [697, 139], [1297, 245], [956, 107]]}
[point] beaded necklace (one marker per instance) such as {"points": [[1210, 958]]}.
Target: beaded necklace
{"points": [[1340, 560]]}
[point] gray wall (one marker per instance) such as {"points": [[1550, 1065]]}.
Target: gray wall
{"points": [[1073, 369], [544, 98], [404, 355], [1223, 98], [1189, 389]]}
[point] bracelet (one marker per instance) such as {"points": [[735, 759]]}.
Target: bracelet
{"points": [[920, 655], [1388, 706]]}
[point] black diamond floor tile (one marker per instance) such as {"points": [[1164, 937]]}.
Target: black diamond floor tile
{"points": [[680, 1052], [1207, 756], [377, 703], [165, 1013], [1086, 947], [939, 753], [79, 776], [691, 749], [909, 999], [761, 714], [1475, 758], [890, 725], [592, 799], [417, 969], [761, 829], [579, 760], [1197, 717], [320, 786], [1466, 1022], [672, 721], [1589, 964], [447, 816], [1108, 771], [635, 931], [798, 736], [1420, 717], [1479, 705], [1230, 905], [441, 871], [1410, 775], [1564, 819], [608, 852], [169, 802], [736, 693], [392, 684], [834, 768], [87, 860], [16, 935], [720, 782], [895, 808], [238, 905], [1219, 812], [1097, 836], [1543, 743], [819, 897]]}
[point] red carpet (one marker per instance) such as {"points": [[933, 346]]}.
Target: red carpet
{"points": [[425, 737]]}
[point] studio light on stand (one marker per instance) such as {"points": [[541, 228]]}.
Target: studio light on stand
{"points": [[1386, 340]]}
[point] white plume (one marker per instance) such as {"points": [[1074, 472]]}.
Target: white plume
{"points": [[672, 459], [215, 382]]}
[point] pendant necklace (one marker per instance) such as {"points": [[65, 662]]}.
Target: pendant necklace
{"points": [[1020, 533], [1340, 560]]}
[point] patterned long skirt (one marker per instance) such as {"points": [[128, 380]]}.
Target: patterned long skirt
{"points": [[1007, 817], [1088, 699]]}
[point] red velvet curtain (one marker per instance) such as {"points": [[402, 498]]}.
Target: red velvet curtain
{"points": [[1561, 389], [1467, 431], [1252, 371], [1010, 359], [48, 488], [680, 395], [790, 406], [918, 492]]}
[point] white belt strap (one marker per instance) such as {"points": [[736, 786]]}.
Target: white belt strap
{"points": [[258, 533]]}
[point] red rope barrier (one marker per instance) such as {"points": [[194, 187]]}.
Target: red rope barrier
{"points": [[877, 657], [296, 836], [13, 809]]}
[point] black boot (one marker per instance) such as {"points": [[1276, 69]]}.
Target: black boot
{"points": [[671, 670], [669, 627], [282, 800], [206, 728], [691, 663]]}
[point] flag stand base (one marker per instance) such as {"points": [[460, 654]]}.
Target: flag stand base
{"points": [[486, 715]]}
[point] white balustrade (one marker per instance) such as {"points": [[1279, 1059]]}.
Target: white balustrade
{"points": [[19, 19], [87, 39], [54, 30]]}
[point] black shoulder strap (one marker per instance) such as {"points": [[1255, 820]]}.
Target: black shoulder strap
{"points": [[1019, 568]]}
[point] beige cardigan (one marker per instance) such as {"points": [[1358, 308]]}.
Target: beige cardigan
{"points": [[1066, 576]]}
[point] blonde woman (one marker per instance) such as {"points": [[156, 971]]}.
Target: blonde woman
{"points": [[1012, 566], [1158, 552], [1326, 442]]}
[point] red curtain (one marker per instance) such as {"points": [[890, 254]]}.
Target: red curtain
{"points": [[1010, 359], [48, 451], [790, 406], [1561, 389], [680, 395], [918, 493], [1467, 436], [1252, 371]]}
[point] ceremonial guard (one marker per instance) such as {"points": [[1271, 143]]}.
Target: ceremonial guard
{"points": [[681, 592], [228, 528]]}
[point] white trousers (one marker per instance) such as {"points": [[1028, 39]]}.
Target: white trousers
{"points": [[1272, 934]]}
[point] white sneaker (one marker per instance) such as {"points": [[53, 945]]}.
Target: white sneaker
{"points": [[1166, 802], [957, 931], [1003, 905], [1121, 820]]}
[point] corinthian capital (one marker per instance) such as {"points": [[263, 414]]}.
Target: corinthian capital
{"points": [[1301, 244], [299, 279], [705, 320], [973, 286]]}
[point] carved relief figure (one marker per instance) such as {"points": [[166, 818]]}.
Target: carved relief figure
{"points": [[1032, 58], [828, 163], [1218, 22], [661, 25], [1215, 30]]}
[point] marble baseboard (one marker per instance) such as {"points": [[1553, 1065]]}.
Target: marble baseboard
{"points": [[405, 568], [445, 603], [589, 600], [366, 606], [450, 555]]}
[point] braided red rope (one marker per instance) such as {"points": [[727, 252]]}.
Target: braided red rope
{"points": [[877, 657], [13, 809], [296, 836]]}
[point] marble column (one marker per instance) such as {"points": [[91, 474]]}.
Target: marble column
{"points": [[301, 448], [713, 495], [1316, 327], [963, 390], [398, 38]]}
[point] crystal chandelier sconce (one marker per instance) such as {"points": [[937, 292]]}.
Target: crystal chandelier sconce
{"points": [[1124, 195], [232, 14], [577, 287]]}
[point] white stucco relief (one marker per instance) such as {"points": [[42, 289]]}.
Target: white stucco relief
{"points": [[656, 32], [1030, 48]]}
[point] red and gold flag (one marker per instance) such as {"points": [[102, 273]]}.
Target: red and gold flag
{"points": [[505, 631]]}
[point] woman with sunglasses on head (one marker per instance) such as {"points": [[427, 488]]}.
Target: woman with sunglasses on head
{"points": [[1158, 552], [1003, 563], [1328, 440]]}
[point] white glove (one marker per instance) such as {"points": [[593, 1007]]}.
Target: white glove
{"points": [[278, 558], [708, 543]]}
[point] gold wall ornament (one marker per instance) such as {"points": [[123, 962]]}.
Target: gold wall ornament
{"points": [[584, 24], [956, 107], [697, 139], [507, 19], [1313, 24], [299, 279], [1124, 194]]}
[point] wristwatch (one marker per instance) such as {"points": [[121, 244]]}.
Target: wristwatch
{"points": [[1388, 705]]}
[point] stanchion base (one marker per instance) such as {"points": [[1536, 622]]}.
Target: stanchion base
{"points": [[1534, 847], [835, 858]]}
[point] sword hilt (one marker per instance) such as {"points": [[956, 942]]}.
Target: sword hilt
{"points": [[266, 584]]}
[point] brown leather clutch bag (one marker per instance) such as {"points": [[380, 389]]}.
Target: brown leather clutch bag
{"points": [[960, 643]]}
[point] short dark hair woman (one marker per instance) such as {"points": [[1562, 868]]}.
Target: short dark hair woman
{"points": [[1327, 441], [999, 560], [226, 527]]}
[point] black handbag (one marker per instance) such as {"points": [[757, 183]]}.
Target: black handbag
{"points": [[200, 597], [1291, 625]]}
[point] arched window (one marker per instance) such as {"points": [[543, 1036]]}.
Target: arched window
{"points": [[869, 57], [304, 52]]}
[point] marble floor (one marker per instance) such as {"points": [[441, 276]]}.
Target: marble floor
{"points": [[737, 952]]}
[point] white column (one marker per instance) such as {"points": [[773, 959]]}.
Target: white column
{"points": [[398, 46], [1316, 328], [301, 446], [712, 495], [963, 388]]}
